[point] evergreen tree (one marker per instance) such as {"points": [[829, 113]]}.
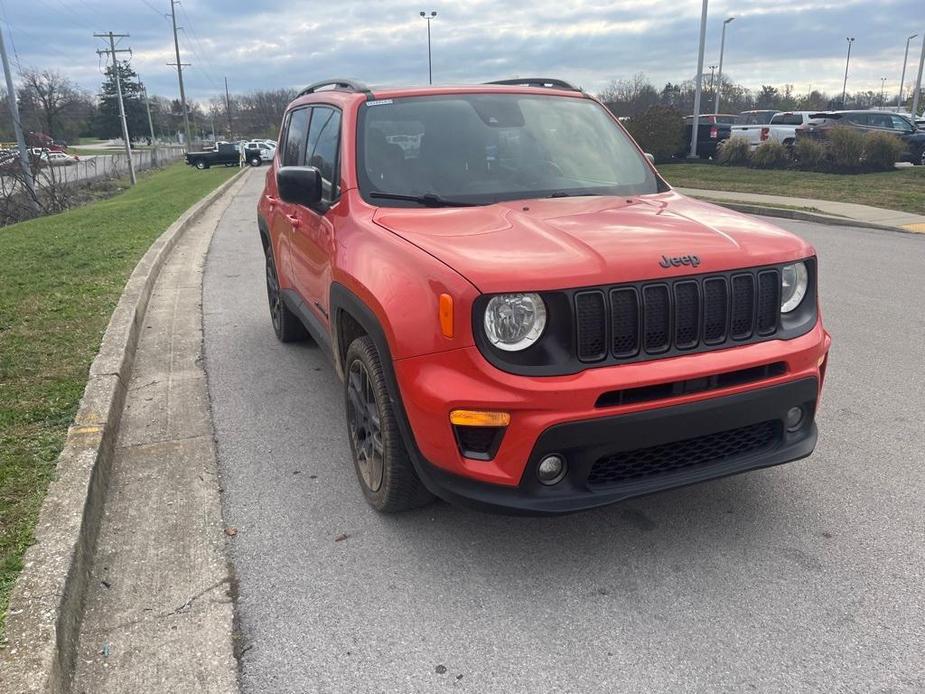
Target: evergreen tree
{"points": [[108, 124]]}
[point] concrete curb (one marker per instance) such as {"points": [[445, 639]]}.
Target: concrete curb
{"points": [[43, 620], [800, 215]]}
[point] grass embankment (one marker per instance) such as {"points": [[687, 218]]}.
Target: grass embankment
{"points": [[60, 278], [902, 189]]}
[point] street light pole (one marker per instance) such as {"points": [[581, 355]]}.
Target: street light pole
{"points": [[844, 89], [695, 124], [882, 82], [722, 49], [430, 72], [902, 80], [918, 84]]}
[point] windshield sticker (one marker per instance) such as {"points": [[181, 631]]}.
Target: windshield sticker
{"points": [[379, 102]]}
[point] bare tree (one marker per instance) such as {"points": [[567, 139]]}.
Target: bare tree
{"points": [[52, 104]]}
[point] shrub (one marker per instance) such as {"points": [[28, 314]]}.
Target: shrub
{"points": [[846, 147], [659, 131], [811, 155], [882, 151], [771, 155], [734, 152]]}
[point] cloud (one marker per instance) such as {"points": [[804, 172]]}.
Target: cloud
{"points": [[272, 43]]}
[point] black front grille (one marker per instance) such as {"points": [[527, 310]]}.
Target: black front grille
{"points": [[592, 340], [629, 466], [680, 315]]}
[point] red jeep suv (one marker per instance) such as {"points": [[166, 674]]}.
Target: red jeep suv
{"points": [[525, 316]]}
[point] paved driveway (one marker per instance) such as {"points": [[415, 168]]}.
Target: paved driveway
{"points": [[807, 577]]}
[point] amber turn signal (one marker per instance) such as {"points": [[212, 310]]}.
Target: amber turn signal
{"points": [[478, 418], [446, 315]]}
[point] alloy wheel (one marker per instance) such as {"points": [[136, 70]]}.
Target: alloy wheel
{"points": [[365, 426], [273, 295]]}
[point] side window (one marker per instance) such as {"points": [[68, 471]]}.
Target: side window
{"points": [[295, 137], [858, 118], [880, 120], [323, 146], [901, 124]]}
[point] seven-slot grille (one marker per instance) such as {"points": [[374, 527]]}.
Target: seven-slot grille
{"points": [[677, 315]]}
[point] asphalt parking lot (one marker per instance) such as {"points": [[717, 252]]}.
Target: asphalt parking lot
{"points": [[806, 577]]}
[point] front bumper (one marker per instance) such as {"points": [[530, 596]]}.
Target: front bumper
{"points": [[562, 414], [585, 443]]}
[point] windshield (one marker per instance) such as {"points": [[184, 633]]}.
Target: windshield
{"points": [[485, 148]]}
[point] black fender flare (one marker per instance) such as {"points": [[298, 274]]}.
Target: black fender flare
{"points": [[342, 300]]}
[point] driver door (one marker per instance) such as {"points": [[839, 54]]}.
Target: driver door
{"points": [[312, 247]]}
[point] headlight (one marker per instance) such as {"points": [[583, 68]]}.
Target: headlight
{"points": [[794, 282], [513, 322]]}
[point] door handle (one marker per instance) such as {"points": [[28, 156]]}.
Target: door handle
{"points": [[271, 201], [294, 221]]}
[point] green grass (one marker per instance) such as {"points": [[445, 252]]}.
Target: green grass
{"points": [[902, 189], [62, 276]]}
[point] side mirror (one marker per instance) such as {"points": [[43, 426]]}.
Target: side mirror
{"points": [[299, 185], [651, 158]]}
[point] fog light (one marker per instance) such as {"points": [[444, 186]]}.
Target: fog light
{"points": [[551, 469], [794, 418]]}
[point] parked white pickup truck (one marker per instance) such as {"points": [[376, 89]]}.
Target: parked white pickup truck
{"points": [[770, 126]]}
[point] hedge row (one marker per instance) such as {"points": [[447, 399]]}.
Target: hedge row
{"points": [[845, 151]]}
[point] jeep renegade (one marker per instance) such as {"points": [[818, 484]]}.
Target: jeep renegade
{"points": [[525, 316]]}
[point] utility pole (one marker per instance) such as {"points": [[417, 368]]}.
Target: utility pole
{"points": [[882, 83], [722, 50], [695, 123], [918, 84], [228, 109], [902, 80], [179, 65], [844, 89], [144, 90], [17, 126], [712, 75], [115, 68]]}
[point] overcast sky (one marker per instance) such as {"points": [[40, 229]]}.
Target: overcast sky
{"points": [[277, 43]]}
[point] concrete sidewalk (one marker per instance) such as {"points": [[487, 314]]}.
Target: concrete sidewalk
{"points": [[158, 613], [864, 215]]}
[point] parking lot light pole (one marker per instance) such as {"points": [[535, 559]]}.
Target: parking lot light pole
{"points": [[695, 125], [902, 80], [430, 72], [882, 83], [722, 49], [844, 89], [918, 84]]}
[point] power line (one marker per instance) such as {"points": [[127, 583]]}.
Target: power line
{"points": [[153, 8], [201, 53]]}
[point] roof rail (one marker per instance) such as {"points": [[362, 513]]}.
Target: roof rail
{"points": [[547, 82], [339, 84]]}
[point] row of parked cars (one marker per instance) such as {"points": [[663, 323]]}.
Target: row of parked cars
{"points": [[252, 152], [787, 127], [39, 156]]}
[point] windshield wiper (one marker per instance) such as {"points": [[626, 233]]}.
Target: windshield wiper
{"points": [[427, 199], [567, 194]]}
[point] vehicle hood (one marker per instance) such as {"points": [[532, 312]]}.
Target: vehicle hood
{"points": [[583, 241]]}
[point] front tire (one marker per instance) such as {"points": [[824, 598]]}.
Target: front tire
{"points": [[286, 324], [201, 165], [255, 161], [382, 464]]}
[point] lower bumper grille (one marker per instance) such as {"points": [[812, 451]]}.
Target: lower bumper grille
{"points": [[642, 463]]}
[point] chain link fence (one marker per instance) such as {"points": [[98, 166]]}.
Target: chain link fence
{"points": [[96, 167]]}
